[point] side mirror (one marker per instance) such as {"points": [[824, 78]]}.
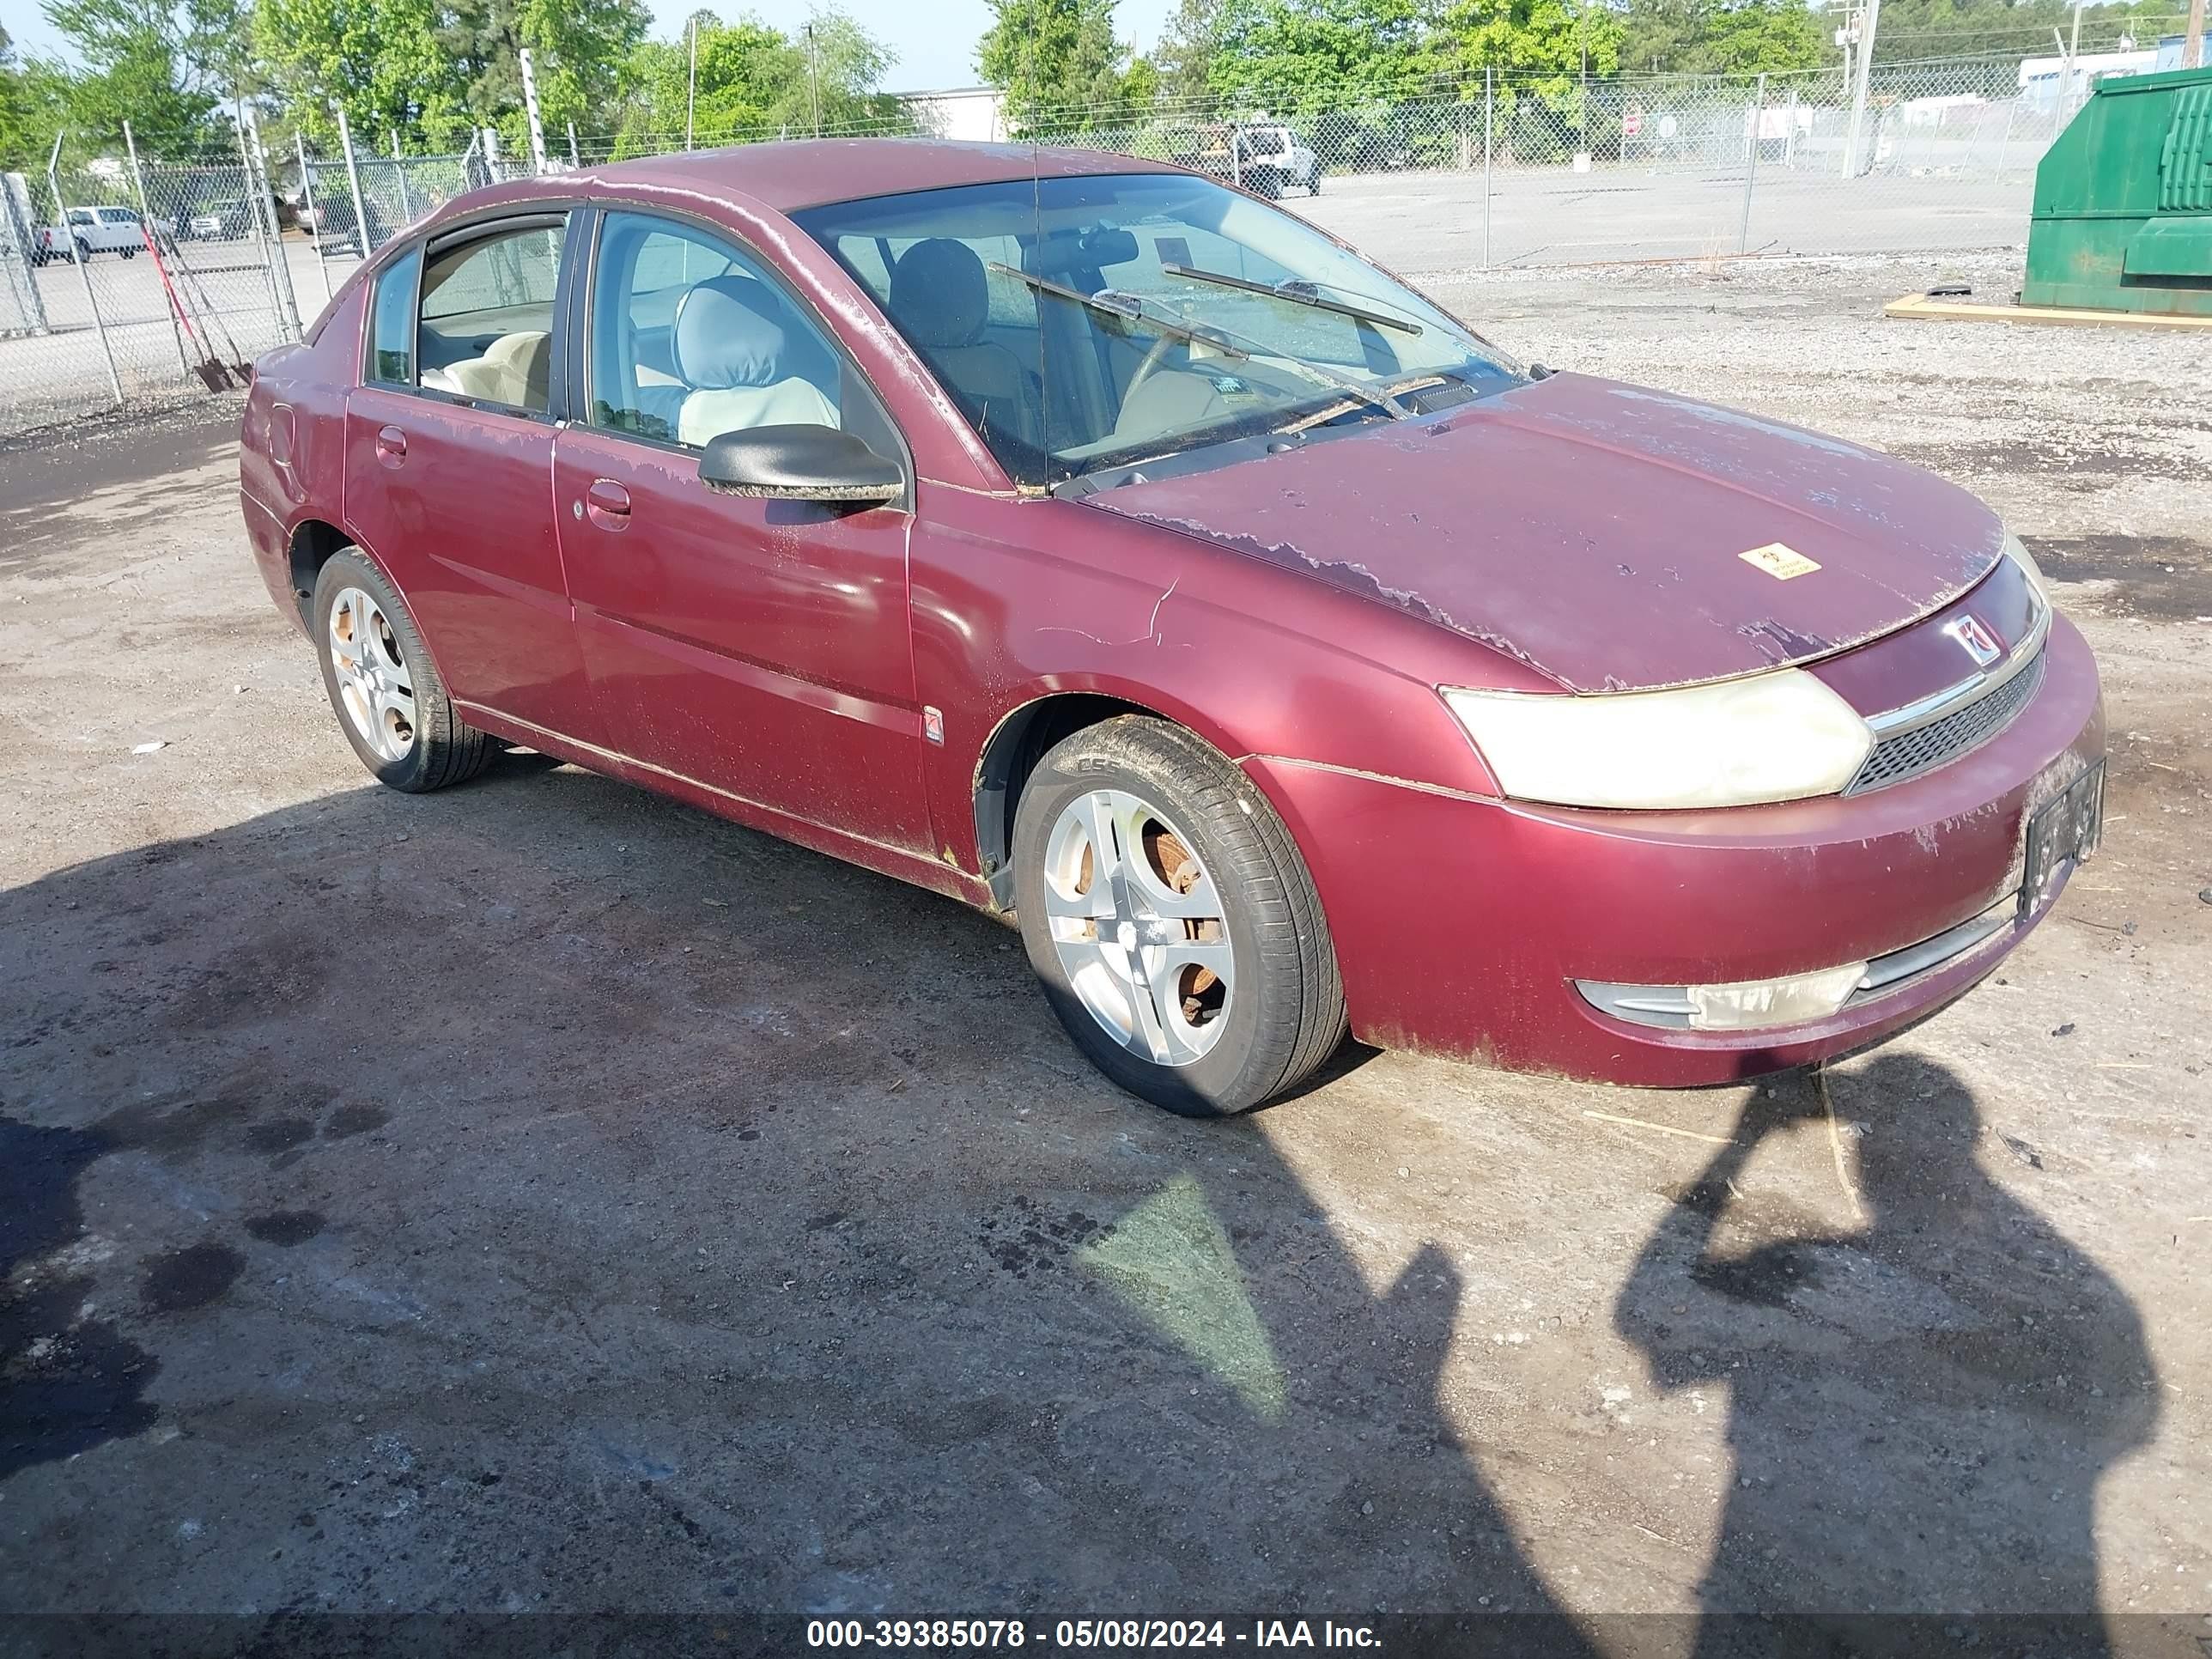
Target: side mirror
{"points": [[799, 464]]}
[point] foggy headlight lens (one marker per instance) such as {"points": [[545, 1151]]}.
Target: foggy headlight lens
{"points": [[1779, 736], [2028, 568]]}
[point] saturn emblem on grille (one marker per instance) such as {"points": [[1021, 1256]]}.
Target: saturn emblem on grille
{"points": [[1974, 636]]}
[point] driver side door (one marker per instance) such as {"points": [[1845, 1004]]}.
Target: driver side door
{"points": [[756, 648]]}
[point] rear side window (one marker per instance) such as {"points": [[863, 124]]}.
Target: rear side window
{"points": [[392, 322], [486, 329]]}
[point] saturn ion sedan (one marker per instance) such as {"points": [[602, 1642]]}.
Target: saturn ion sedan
{"points": [[1093, 543]]}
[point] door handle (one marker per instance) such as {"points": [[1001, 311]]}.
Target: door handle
{"points": [[607, 504], [391, 446]]}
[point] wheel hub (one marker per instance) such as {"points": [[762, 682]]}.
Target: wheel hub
{"points": [[1139, 926], [374, 685]]}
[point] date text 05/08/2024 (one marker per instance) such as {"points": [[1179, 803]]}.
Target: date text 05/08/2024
{"points": [[1084, 1633]]}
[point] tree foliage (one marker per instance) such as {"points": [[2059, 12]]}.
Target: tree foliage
{"points": [[756, 82], [164, 67], [1057, 62]]}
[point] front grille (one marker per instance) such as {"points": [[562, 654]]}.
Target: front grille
{"points": [[1908, 754]]}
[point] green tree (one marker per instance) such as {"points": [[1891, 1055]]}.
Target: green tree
{"points": [[1714, 37], [1057, 65], [164, 68], [1555, 44], [1183, 61], [581, 51], [756, 82], [378, 60], [1295, 55]]}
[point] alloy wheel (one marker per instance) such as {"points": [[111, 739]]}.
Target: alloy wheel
{"points": [[1139, 926], [373, 681]]}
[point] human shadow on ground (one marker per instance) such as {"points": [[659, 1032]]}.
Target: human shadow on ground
{"points": [[1864, 1368]]}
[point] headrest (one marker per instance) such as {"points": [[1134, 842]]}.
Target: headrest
{"points": [[939, 295], [726, 335]]}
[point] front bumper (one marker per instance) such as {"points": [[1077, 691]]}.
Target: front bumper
{"points": [[1463, 925]]}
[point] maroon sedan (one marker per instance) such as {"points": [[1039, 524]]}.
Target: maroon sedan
{"points": [[1102, 546]]}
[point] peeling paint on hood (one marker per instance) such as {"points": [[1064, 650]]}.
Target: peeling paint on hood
{"points": [[1594, 531]]}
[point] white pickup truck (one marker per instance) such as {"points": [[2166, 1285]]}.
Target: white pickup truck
{"points": [[93, 230]]}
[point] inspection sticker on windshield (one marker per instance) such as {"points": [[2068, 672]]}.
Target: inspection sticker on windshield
{"points": [[1780, 561]]}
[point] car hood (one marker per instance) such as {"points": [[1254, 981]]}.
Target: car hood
{"points": [[1596, 532]]}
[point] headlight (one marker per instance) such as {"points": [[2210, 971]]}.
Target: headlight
{"points": [[1779, 736], [2028, 568]]}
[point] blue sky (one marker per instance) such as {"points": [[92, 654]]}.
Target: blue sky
{"points": [[935, 40]]}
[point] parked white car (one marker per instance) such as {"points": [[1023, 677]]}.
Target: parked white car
{"points": [[93, 230]]}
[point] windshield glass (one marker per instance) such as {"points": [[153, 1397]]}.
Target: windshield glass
{"points": [[1090, 322]]}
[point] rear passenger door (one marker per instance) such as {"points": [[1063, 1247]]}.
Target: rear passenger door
{"points": [[757, 647], [449, 461]]}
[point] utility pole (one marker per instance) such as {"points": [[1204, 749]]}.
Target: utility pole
{"points": [[2192, 38], [813, 81], [691, 92], [1863, 27], [2073, 53]]}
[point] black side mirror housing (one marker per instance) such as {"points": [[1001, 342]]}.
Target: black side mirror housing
{"points": [[799, 464]]}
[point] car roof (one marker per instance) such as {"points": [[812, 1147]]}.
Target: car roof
{"points": [[808, 173]]}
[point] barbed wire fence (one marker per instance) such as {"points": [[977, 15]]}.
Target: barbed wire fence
{"points": [[131, 283]]}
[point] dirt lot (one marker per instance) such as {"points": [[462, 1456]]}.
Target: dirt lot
{"points": [[539, 1196]]}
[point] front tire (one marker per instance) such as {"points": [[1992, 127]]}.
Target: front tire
{"points": [[1171, 922], [383, 686]]}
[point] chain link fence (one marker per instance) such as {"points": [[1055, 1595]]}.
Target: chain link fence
{"points": [[124, 285], [129, 285]]}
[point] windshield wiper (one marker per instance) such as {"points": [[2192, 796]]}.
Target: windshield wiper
{"points": [[1128, 307], [1124, 308], [1294, 291]]}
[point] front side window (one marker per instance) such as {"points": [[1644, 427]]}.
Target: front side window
{"points": [[485, 324], [392, 322], [690, 339], [1089, 322]]}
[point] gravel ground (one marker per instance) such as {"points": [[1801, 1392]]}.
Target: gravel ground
{"points": [[540, 1196]]}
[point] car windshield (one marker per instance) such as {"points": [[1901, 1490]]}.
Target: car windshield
{"points": [[1086, 322]]}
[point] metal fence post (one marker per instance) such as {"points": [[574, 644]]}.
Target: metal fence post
{"points": [[1790, 139], [1751, 166], [146, 221], [2005, 143], [264, 205], [575, 156], [17, 257], [1489, 113], [530, 112], [307, 189], [353, 178], [399, 172], [83, 267], [254, 205]]}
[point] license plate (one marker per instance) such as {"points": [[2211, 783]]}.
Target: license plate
{"points": [[2064, 830]]}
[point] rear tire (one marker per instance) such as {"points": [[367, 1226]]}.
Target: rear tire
{"points": [[383, 686], [1191, 965]]}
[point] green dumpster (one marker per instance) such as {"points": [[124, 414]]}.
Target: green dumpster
{"points": [[2123, 218]]}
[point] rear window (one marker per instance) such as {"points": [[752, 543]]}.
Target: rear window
{"points": [[391, 321]]}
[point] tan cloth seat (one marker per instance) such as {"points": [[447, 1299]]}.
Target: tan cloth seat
{"points": [[941, 295], [516, 369]]}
